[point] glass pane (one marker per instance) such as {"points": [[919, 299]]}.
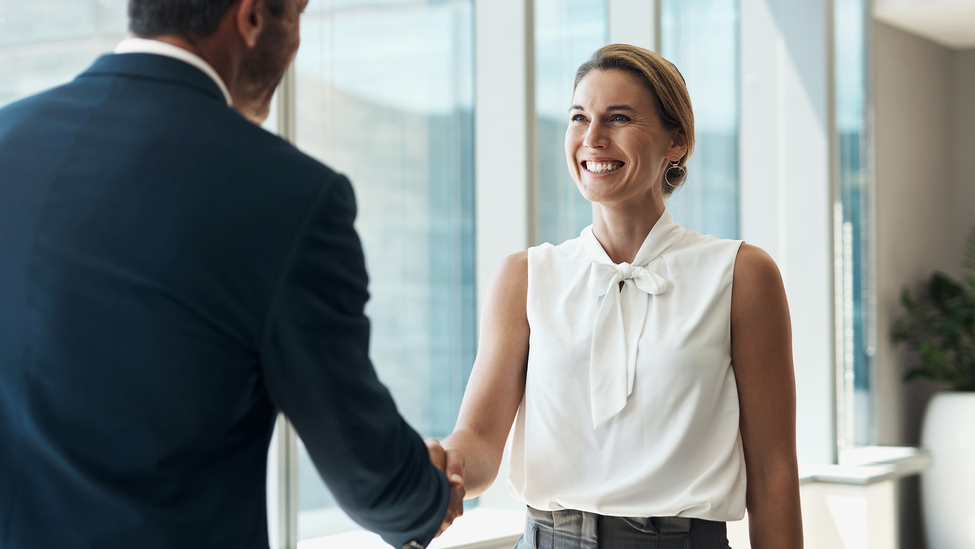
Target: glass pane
{"points": [[385, 95], [44, 43], [855, 411], [701, 38], [567, 32]]}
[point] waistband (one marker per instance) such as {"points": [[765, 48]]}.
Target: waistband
{"points": [[572, 529]]}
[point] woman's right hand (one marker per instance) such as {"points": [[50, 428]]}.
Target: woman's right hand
{"points": [[497, 383], [447, 462], [450, 462]]}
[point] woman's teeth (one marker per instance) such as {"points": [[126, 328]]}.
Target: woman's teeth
{"points": [[602, 167]]}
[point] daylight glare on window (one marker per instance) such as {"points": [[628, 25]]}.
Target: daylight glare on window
{"points": [[384, 95]]}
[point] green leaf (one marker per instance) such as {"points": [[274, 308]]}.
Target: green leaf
{"points": [[917, 373], [901, 331], [938, 324], [944, 290], [933, 357]]}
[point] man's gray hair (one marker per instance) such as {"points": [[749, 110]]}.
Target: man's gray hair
{"points": [[198, 18]]}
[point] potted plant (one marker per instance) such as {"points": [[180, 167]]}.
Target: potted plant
{"points": [[939, 327]]}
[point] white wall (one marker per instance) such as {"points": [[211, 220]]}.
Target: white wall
{"points": [[962, 90], [947, 22], [925, 153], [925, 204], [504, 126], [786, 203], [634, 22], [913, 185]]}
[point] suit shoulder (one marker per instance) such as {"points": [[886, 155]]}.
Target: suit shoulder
{"points": [[267, 159], [277, 151], [24, 107]]}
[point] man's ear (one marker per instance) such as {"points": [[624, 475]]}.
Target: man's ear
{"points": [[251, 18]]}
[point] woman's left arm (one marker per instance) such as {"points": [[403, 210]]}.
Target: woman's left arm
{"points": [[761, 352]]}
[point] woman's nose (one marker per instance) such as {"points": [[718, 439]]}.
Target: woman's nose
{"points": [[596, 137]]}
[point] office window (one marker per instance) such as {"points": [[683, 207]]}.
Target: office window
{"points": [[567, 32], [701, 38], [855, 399], [45, 43], [384, 94]]}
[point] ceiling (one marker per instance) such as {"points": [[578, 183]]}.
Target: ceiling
{"points": [[950, 23]]}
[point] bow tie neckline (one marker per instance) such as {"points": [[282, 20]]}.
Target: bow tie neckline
{"points": [[622, 314]]}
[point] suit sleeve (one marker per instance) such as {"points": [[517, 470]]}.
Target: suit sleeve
{"points": [[315, 359]]}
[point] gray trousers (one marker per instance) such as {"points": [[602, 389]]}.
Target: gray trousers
{"points": [[580, 530]]}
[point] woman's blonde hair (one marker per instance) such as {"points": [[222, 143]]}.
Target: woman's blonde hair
{"points": [[665, 83]]}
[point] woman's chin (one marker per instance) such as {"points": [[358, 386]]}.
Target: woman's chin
{"points": [[601, 192]]}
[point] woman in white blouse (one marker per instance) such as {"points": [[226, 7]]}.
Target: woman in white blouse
{"points": [[649, 367]]}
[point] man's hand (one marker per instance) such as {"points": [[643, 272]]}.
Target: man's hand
{"points": [[452, 464]]}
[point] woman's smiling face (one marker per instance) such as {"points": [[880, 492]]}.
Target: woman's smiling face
{"points": [[616, 147]]}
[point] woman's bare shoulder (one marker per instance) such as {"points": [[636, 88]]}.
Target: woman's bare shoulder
{"points": [[757, 290], [509, 287], [754, 267], [514, 267]]}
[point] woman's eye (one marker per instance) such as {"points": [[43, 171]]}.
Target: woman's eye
{"points": [[620, 118], [578, 118]]}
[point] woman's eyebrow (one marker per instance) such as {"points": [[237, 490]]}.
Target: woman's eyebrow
{"points": [[611, 108]]}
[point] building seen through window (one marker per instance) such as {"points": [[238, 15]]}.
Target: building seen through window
{"points": [[701, 38], [45, 43], [566, 34], [384, 94], [855, 236]]}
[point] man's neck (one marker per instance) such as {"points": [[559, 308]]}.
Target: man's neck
{"points": [[218, 58]]}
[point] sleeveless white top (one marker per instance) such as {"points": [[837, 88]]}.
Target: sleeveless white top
{"points": [[630, 405]]}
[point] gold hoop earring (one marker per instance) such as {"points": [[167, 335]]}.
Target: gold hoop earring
{"points": [[676, 173]]}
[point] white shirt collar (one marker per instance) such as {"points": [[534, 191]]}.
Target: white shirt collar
{"points": [[625, 290], [157, 47]]}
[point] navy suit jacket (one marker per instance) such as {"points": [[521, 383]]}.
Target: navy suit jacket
{"points": [[172, 276]]}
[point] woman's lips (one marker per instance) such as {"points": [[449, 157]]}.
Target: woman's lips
{"points": [[601, 166]]}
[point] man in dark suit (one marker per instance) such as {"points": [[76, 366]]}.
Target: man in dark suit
{"points": [[171, 277]]}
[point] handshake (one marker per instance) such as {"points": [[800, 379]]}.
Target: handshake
{"points": [[451, 462]]}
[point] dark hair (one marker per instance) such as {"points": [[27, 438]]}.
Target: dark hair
{"points": [[665, 83], [198, 18]]}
